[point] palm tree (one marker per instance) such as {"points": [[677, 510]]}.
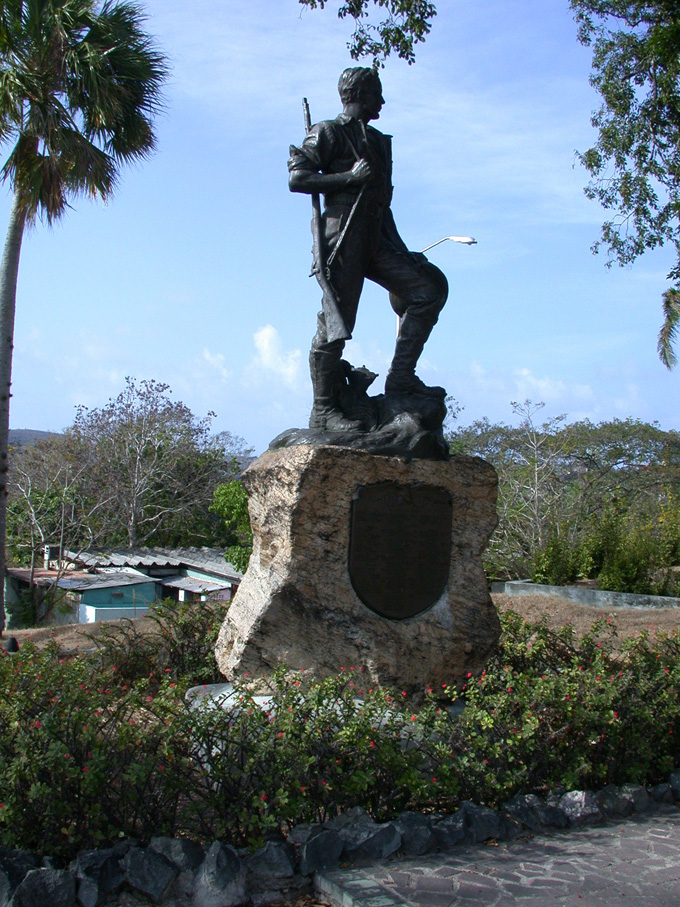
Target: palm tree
{"points": [[669, 329], [80, 83]]}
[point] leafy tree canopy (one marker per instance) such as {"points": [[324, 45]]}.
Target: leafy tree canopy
{"points": [[405, 24], [231, 503], [635, 164], [140, 470], [560, 478]]}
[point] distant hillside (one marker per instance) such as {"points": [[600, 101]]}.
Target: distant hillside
{"points": [[21, 436]]}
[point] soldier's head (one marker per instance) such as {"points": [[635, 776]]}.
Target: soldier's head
{"points": [[361, 92]]}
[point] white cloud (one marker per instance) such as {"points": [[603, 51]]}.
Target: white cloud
{"points": [[217, 362], [630, 401], [271, 357], [546, 389], [528, 386], [488, 392], [484, 380]]}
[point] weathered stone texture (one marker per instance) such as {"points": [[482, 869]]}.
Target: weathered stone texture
{"points": [[296, 605]]}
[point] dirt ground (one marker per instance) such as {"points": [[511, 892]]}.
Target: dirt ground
{"points": [[72, 637], [628, 621]]}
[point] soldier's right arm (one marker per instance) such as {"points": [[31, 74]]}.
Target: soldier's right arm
{"points": [[313, 181], [309, 164]]}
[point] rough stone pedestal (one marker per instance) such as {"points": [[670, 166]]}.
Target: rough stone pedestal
{"points": [[297, 606]]}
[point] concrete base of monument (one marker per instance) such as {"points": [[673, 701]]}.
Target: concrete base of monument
{"points": [[364, 560]]}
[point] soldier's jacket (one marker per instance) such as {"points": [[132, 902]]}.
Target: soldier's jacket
{"points": [[334, 146]]}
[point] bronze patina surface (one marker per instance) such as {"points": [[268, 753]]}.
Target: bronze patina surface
{"points": [[349, 163], [400, 547]]}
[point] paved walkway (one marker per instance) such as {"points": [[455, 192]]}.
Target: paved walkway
{"points": [[634, 862]]}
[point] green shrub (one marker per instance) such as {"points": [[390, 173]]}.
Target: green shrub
{"points": [[87, 755], [36, 605], [81, 760], [182, 646], [319, 747], [556, 563], [551, 710], [636, 551], [624, 552], [85, 759], [629, 567]]}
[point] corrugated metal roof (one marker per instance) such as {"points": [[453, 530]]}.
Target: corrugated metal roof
{"points": [[103, 581], [191, 584], [40, 577], [210, 560], [78, 581]]}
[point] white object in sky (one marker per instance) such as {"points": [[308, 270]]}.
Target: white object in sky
{"points": [[467, 240]]}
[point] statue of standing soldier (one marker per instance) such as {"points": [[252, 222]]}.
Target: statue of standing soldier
{"points": [[350, 163]]}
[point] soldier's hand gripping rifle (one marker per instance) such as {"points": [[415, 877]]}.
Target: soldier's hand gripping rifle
{"points": [[336, 329]]}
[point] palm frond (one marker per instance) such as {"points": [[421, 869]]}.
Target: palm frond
{"points": [[119, 79], [37, 179], [80, 83], [86, 168], [669, 329]]}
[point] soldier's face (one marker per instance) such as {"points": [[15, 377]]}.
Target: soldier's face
{"points": [[371, 99]]}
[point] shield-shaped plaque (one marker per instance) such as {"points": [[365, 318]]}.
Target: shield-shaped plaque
{"points": [[400, 547]]}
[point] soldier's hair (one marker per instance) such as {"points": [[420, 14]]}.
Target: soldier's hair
{"points": [[353, 80]]}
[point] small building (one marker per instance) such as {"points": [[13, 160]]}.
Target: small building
{"points": [[124, 582], [86, 597]]}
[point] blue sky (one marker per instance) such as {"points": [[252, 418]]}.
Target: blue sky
{"points": [[196, 273]]}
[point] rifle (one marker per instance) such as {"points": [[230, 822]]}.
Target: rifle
{"points": [[336, 329]]}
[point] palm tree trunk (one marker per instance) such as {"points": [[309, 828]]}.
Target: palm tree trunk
{"points": [[9, 269]]}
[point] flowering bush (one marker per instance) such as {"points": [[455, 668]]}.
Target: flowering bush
{"points": [[551, 710], [81, 757], [88, 755], [315, 749]]}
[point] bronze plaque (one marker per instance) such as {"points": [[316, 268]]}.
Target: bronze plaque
{"points": [[400, 547]]}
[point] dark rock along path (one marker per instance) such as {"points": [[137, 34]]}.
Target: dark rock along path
{"points": [[635, 861]]}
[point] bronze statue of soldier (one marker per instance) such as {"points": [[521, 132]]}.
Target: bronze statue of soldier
{"points": [[350, 163]]}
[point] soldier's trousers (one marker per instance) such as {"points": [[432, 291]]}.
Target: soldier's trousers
{"points": [[373, 249]]}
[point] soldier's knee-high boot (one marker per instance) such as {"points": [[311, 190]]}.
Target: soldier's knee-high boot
{"points": [[326, 415], [402, 378]]}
